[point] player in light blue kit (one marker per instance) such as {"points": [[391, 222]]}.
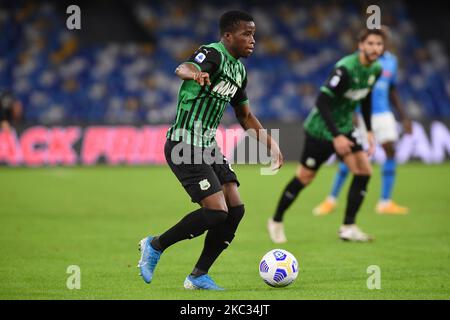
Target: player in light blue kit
{"points": [[384, 127]]}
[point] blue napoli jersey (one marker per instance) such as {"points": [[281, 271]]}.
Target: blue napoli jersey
{"points": [[380, 91]]}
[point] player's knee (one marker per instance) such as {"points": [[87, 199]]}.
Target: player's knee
{"points": [[366, 171], [305, 177], [214, 217], [228, 229], [218, 206], [363, 172], [389, 150]]}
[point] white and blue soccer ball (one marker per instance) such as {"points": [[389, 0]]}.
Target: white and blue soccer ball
{"points": [[278, 268]]}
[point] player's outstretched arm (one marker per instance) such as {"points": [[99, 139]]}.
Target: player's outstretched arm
{"points": [[394, 97], [248, 121], [188, 71]]}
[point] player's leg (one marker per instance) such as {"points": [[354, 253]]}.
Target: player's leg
{"points": [[220, 237], [359, 164], [339, 180], [201, 183], [213, 211], [302, 178], [329, 204], [388, 171], [388, 174], [315, 153], [386, 133]]}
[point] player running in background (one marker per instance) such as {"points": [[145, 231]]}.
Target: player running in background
{"points": [[384, 126], [213, 78], [329, 129]]}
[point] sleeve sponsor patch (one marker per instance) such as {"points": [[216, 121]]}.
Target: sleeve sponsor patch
{"points": [[334, 81], [200, 57]]}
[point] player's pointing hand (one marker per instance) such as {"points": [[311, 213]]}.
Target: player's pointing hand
{"points": [[277, 157], [201, 78]]}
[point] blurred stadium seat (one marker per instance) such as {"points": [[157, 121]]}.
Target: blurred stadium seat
{"points": [[60, 79]]}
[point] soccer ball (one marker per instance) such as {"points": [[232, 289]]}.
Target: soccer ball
{"points": [[278, 268]]}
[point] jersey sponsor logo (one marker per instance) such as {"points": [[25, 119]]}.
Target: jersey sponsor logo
{"points": [[225, 88], [334, 81], [356, 94], [204, 184], [200, 57]]}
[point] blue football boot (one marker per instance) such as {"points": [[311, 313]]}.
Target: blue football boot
{"points": [[203, 282], [149, 259]]}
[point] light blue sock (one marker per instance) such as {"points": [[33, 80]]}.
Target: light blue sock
{"points": [[388, 178], [339, 180]]}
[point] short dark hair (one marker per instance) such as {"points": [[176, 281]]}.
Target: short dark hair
{"points": [[230, 20], [367, 32]]}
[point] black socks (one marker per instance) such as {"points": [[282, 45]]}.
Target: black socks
{"points": [[218, 239], [355, 197], [289, 194], [191, 226]]}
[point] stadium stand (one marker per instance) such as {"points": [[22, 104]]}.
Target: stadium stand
{"points": [[59, 78]]}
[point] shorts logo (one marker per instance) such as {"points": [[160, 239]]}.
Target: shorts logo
{"points": [[310, 162], [204, 184], [200, 57]]}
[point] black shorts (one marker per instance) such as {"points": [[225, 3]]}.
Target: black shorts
{"points": [[317, 151], [200, 176]]}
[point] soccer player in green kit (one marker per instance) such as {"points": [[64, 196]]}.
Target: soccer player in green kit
{"points": [[213, 78], [329, 129]]}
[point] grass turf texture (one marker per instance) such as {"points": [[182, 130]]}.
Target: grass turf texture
{"points": [[94, 217]]}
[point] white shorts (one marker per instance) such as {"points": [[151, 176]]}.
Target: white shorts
{"points": [[384, 128]]}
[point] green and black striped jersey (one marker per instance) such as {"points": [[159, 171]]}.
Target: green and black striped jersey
{"points": [[348, 84], [200, 109]]}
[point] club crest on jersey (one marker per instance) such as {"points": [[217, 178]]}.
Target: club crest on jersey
{"points": [[200, 57], [204, 184], [371, 80]]}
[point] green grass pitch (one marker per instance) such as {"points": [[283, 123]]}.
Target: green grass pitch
{"points": [[94, 217]]}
